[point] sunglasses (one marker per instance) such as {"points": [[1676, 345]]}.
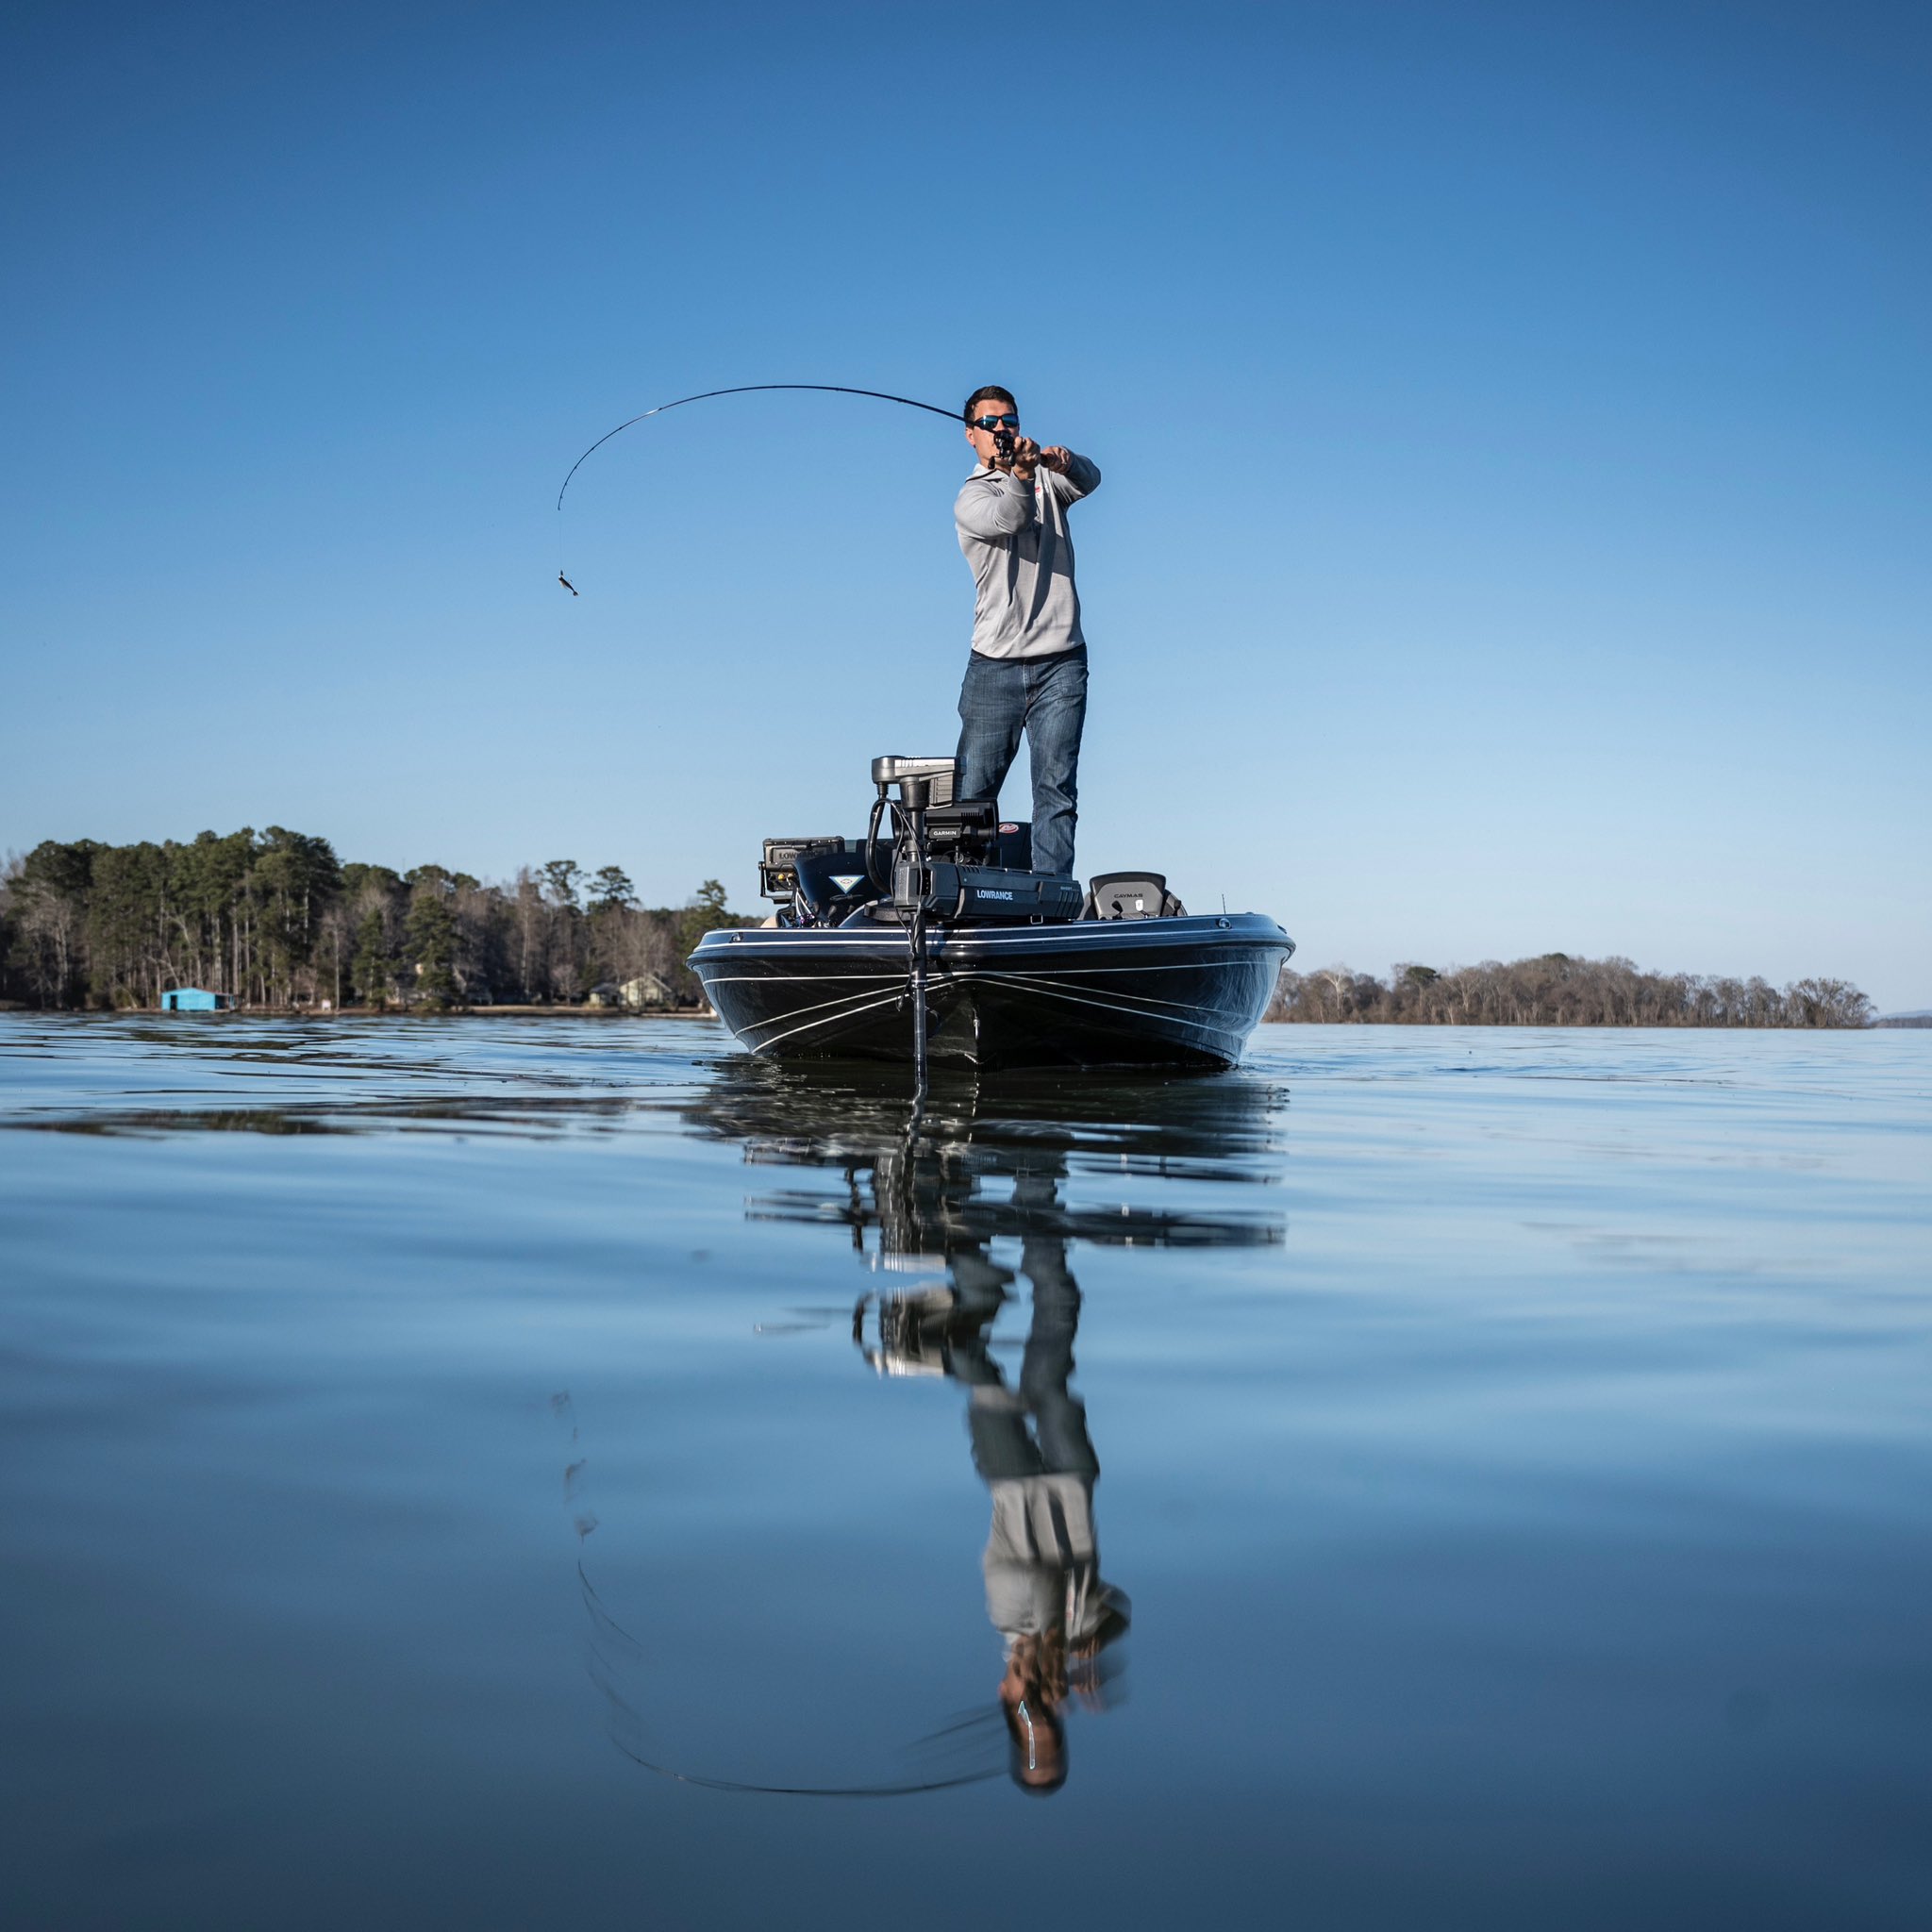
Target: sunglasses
{"points": [[995, 421]]}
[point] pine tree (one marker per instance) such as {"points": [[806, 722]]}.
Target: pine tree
{"points": [[370, 969], [429, 937]]}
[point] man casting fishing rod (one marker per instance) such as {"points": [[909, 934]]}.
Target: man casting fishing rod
{"points": [[1027, 670]]}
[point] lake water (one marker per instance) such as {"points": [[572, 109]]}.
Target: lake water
{"points": [[502, 1474]]}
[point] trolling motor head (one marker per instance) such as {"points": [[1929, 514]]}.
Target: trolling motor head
{"points": [[921, 782]]}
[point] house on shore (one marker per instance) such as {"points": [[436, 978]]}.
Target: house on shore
{"points": [[650, 993], [194, 999]]}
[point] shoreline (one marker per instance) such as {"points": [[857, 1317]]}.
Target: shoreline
{"points": [[256, 1012], [1906, 1023]]}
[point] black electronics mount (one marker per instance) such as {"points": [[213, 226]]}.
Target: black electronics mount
{"points": [[924, 851]]}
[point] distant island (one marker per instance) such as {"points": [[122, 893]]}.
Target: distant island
{"points": [[274, 920], [1554, 989]]}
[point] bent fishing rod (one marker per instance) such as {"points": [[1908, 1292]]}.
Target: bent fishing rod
{"points": [[1003, 435], [1005, 444]]}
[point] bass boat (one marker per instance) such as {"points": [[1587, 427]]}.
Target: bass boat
{"points": [[939, 943]]}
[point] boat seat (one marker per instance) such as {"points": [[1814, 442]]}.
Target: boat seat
{"points": [[832, 883], [1131, 896]]}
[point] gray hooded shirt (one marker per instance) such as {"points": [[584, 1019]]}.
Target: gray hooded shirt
{"points": [[1014, 535]]}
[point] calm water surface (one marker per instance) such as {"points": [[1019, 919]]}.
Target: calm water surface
{"points": [[499, 1473]]}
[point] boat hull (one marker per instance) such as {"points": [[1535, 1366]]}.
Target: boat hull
{"points": [[1182, 993]]}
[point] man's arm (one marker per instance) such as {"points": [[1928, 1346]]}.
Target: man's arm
{"points": [[1078, 475], [993, 506]]}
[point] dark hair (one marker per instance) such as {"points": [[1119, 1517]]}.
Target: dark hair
{"points": [[993, 392]]}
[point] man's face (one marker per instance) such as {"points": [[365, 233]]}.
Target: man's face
{"points": [[984, 447]]}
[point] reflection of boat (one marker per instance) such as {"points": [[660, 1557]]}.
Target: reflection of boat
{"points": [[992, 1183], [943, 1195], [969, 1174], [1006, 967]]}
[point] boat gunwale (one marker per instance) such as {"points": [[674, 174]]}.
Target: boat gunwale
{"points": [[1243, 930]]}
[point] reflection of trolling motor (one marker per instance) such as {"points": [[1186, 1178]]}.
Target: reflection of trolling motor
{"points": [[912, 1326]]}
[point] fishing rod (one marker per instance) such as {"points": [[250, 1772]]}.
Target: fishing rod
{"points": [[836, 388]]}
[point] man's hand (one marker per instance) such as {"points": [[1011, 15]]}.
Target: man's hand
{"points": [[1025, 457], [1056, 458]]}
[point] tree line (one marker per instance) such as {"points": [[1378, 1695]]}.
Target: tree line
{"points": [[274, 919], [1554, 989]]}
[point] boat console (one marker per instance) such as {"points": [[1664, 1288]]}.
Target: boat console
{"points": [[950, 860]]}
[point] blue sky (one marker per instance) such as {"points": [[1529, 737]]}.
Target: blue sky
{"points": [[1517, 423]]}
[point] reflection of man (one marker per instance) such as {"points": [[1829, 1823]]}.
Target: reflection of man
{"points": [[1027, 670], [1045, 1593], [1044, 1587]]}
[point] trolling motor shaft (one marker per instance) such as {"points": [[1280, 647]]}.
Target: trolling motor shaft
{"points": [[915, 793]]}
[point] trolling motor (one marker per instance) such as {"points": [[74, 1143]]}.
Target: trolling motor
{"points": [[945, 859], [952, 858], [959, 887], [915, 778]]}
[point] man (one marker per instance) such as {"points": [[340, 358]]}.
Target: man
{"points": [[1027, 670]]}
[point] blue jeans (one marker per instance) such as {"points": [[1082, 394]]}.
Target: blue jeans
{"points": [[1047, 698]]}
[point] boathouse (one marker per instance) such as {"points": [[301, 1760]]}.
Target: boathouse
{"points": [[191, 999]]}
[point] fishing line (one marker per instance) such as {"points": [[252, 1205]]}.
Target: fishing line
{"points": [[625, 1718], [836, 388]]}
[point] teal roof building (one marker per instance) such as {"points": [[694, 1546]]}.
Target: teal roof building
{"points": [[191, 999]]}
